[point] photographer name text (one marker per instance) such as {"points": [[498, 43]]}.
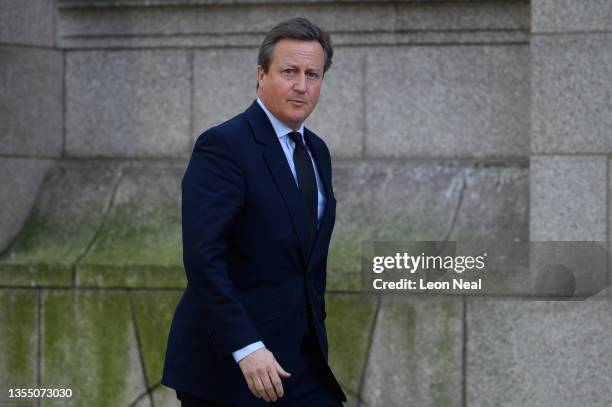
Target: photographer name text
{"points": [[420, 284]]}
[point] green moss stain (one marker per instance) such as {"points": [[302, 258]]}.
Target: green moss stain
{"points": [[35, 275], [344, 264], [141, 236], [439, 394], [128, 239], [154, 312], [417, 352], [39, 256], [60, 227], [46, 240], [101, 275], [18, 337], [89, 345], [349, 322], [135, 251]]}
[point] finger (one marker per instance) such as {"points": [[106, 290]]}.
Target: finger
{"points": [[265, 378], [251, 385], [260, 388], [276, 382], [280, 370]]}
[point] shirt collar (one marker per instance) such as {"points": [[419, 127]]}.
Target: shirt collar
{"points": [[280, 128]]}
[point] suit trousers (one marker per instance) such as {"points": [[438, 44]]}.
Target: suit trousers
{"points": [[307, 386]]}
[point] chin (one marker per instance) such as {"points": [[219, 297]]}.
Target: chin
{"points": [[295, 118], [298, 121]]}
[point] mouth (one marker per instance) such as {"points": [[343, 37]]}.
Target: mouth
{"points": [[297, 102]]}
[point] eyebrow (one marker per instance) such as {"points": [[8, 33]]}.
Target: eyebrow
{"points": [[291, 65]]}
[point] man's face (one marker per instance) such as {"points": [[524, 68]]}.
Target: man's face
{"points": [[290, 89]]}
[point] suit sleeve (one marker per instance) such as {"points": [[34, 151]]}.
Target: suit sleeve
{"points": [[321, 283], [213, 193]]}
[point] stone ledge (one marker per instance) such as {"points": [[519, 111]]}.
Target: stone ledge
{"points": [[216, 24], [156, 3], [100, 219], [139, 276], [99, 224]]}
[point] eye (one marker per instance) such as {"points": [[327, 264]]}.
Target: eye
{"points": [[288, 71], [312, 75]]}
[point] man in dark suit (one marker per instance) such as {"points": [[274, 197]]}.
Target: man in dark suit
{"points": [[258, 211]]}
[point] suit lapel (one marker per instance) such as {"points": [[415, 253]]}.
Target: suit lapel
{"points": [[278, 166]]}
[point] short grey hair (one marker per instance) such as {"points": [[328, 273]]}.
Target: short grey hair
{"points": [[298, 28]]}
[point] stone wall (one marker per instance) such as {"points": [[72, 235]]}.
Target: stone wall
{"points": [[446, 120]]}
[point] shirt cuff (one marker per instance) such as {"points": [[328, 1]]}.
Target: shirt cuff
{"points": [[247, 350]]}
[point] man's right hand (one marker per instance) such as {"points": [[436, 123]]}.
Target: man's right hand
{"points": [[261, 371]]}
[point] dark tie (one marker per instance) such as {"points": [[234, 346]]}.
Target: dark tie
{"points": [[306, 177]]}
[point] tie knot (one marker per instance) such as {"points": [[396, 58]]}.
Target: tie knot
{"points": [[297, 138]]}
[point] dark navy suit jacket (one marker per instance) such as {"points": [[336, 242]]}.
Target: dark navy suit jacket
{"points": [[251, 260]]}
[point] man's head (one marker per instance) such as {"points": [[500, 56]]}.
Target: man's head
{"points": [[292, 61]]}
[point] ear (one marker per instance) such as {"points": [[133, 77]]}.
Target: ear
{"points": [[260, 75]]}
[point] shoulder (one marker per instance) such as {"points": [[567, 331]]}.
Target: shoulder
{"points": [[224, 144], [215, 153], [229, 133]]}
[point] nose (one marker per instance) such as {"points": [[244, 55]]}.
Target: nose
{"points": [[300, 83]]}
